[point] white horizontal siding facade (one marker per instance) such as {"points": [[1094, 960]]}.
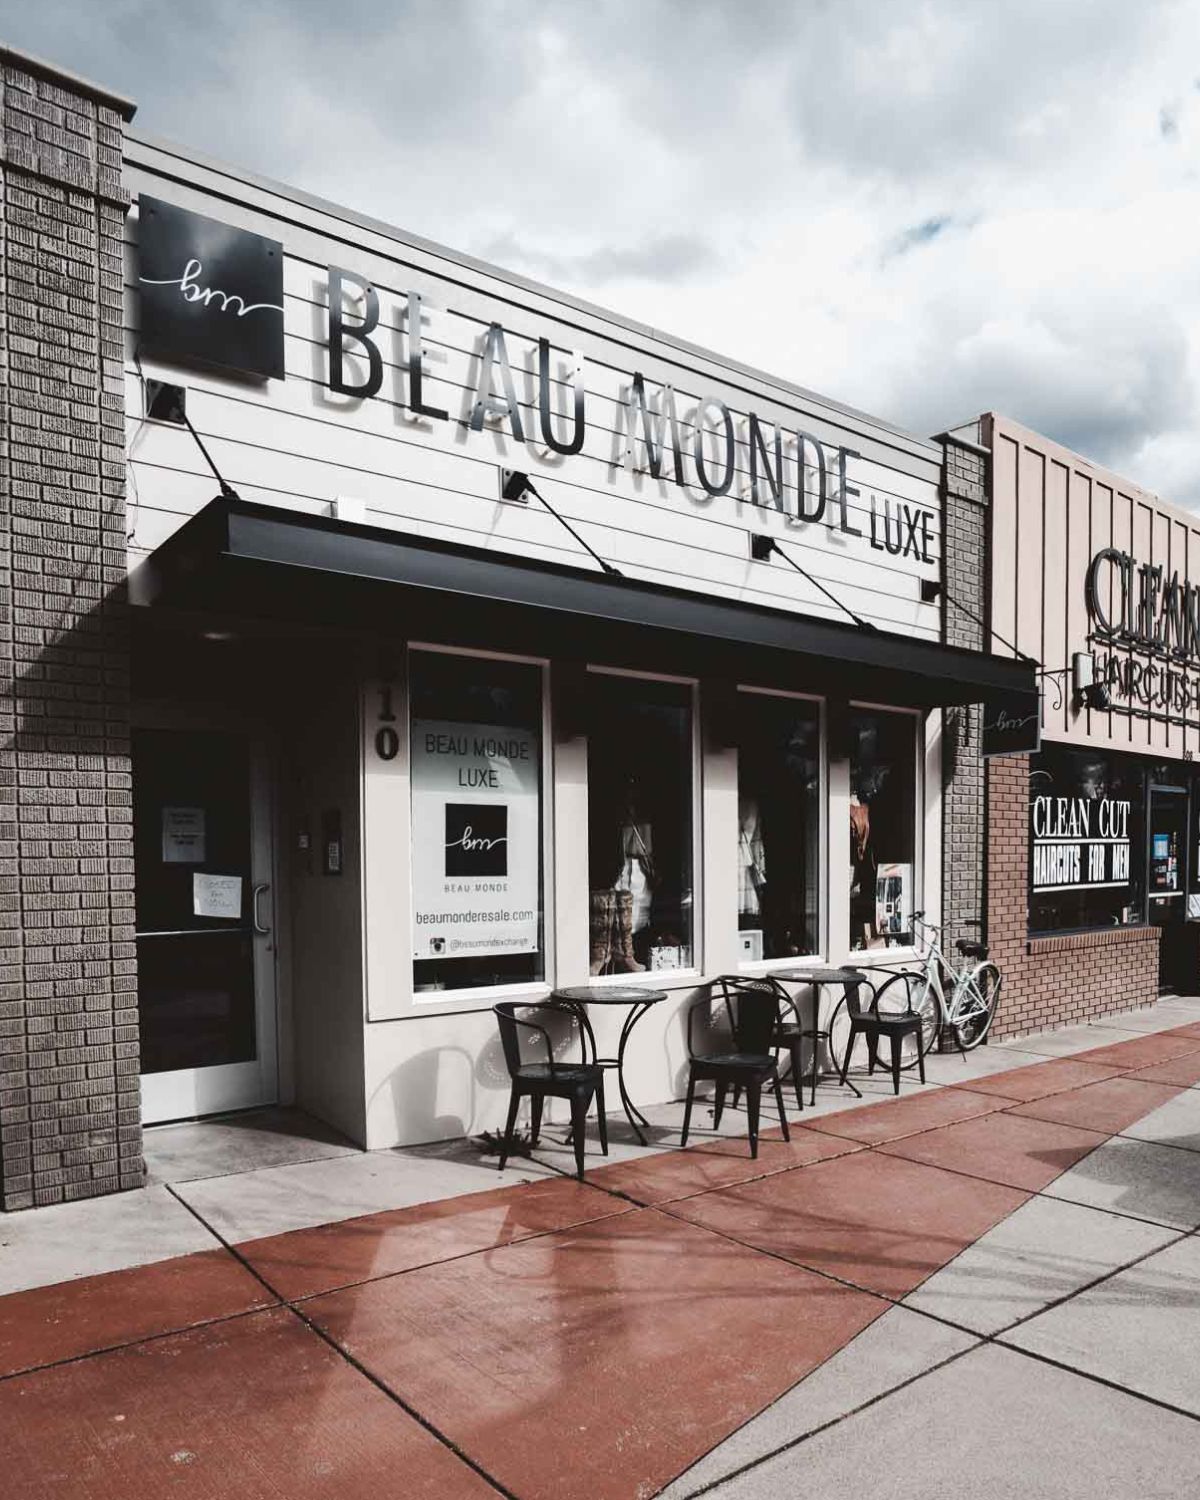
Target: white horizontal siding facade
{"points": [[297, 444]]}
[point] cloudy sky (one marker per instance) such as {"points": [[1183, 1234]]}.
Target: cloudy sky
{"points": [[926, 210]]}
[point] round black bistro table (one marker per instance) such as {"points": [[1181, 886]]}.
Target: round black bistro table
{"points": [[576, 998], [818, 978]]}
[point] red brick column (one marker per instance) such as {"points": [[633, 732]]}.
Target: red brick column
{"points": [[1051, 981]]}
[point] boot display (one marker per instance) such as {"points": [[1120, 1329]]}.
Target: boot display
{"points": [[603, 921], [623, 961]]}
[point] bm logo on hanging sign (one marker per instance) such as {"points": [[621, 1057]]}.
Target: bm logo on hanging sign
{"points": [[210, 292]]}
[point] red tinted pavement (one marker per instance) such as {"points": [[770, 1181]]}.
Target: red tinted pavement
{"points": [[547, 1340]]}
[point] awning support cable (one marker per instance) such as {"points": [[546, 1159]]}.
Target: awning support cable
{"points": [[1016, 650], [773, 546], [227, 490], [518, 481]]}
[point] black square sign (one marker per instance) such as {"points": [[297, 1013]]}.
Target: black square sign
{"points": [[209, 292], [476, 838]]}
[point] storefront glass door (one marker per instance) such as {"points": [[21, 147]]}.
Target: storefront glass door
{"points": [[206, 995], [1167, 880]]}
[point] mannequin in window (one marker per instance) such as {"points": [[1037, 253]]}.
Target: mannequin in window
{"points": [[862, 871], [752, 859], [621, 909]]}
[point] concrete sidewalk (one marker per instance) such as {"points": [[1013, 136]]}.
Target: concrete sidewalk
{"points": [[993, 1285], [266, 1172]]}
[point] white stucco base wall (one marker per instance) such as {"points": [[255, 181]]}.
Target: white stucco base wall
{"points": [[436, 1077]]}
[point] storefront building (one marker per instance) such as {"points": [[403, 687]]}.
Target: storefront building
{"points": [[1093, 885], [390, 635]]}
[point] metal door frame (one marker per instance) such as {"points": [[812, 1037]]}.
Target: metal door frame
{"points": [[1170, 790], [185, 1093]]}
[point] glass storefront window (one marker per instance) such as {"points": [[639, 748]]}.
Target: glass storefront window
{"points": [[640, 802], [476, 769], [1087, 841], [779, 803], [883, 827]]}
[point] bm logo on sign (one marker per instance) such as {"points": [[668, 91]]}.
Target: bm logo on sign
{"points": [[211, 293]]}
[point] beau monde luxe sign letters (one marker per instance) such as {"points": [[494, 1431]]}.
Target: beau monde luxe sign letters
{"points": [[215, 293], [791, 470]]}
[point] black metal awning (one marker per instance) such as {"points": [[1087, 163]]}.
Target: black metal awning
{"points": [[247, 561]]}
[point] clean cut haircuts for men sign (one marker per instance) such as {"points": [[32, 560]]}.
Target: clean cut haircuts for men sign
{"points": [[210, 292], [475, 839]]}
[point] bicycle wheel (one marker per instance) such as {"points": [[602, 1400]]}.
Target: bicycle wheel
{"points": [[839, 1040], [911, 990], [839, 1034], [974, 1005]]}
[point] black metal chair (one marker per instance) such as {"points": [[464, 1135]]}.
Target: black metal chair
{"points": [[869, 1021], [752, 1012], [789, 1034], [575, 1082]]}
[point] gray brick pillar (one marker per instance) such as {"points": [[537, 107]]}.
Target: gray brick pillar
{"points": [[69, 1109], [965, 575]]}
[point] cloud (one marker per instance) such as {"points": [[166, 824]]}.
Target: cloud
{"points": [[917, 235], [925, 208]]}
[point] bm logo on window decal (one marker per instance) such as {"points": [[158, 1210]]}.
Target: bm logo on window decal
{"points": [[476, 839]]}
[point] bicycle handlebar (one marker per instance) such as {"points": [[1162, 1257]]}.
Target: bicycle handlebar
{"points": [[919, 918]]}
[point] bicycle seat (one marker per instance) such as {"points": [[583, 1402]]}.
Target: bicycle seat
{"points": [[972, 950]]}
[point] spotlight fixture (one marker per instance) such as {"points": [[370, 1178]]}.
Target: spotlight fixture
{"points": [[1083, 670], [931, 590], [166, 402], [514, 486], [1088, 691], [761, 546]]}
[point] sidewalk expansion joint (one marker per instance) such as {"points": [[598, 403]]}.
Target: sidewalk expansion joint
{"points": [[981, 1340], [755, 1463], [348, 1358], [145, 1338]]}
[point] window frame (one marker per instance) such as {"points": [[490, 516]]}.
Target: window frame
{"points": [[862, 956], [665, 978], [769, 965], [534, 988], [1142, 766]]}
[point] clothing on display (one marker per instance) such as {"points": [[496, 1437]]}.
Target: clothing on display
{"points": [[862, 875], [752, 860], [637, 870]]}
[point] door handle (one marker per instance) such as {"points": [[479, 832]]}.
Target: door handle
{"points": [[258, 926]]}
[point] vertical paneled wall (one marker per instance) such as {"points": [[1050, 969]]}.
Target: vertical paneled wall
{"points": [[1052, 512]]}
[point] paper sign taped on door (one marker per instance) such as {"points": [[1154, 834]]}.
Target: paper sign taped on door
{"points": [[217, 896], [183, 835]]}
